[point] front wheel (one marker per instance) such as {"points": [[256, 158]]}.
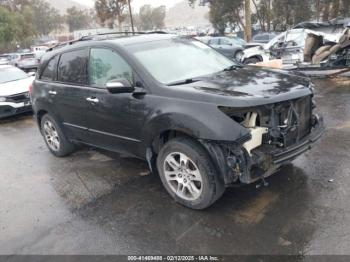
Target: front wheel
{"points": [[238, 56], [188, 174]]}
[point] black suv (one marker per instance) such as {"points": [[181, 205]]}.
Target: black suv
{"points": [[200, 120]]}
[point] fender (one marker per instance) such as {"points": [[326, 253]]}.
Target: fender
{"points": [[211, 125]]}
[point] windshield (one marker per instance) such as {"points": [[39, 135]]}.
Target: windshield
{"points": [[175, 60], [10, 74]]}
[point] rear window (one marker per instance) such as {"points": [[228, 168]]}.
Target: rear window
{"points": [[50, 72], [72, 67]]}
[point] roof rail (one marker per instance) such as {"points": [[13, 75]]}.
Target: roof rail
{"points": [[96, 36], [126, 33]]}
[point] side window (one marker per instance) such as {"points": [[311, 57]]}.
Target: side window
{"points": [[214, 41], [50, 71], [72, 67], [106, 65], [265, 37], [259, 37], [224, 41]]}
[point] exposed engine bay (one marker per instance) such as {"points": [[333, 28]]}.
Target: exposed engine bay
{"points": [[277, 136]]}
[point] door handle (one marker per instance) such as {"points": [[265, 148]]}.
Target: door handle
{"points": [[51, 92], [92, 99]]}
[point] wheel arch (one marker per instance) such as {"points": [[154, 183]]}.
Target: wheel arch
{"points": [[259, 57]]}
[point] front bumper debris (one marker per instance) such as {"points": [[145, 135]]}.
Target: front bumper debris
{"points": [[234, 164]]}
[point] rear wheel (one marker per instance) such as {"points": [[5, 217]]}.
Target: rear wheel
{"points": [[54, 137], [188, 173]]}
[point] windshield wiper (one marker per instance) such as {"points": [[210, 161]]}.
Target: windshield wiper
{"points": [[183, 82]]}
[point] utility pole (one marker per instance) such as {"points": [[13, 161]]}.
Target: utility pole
{"points": [[131, 19], [248, 21]]}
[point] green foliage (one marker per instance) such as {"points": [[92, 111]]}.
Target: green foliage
{"points": [[288, 13], [77, 19], [22, 20], [14, 28], [108, 11], [151, 18], [224, 13], [281, 14]]}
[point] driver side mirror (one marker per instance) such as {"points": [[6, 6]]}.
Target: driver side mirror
{"points": [[118, 86]]}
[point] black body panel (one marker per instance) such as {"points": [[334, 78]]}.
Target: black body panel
{"points": [[132, 122]]}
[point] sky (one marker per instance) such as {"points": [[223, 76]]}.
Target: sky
{"points": [[136, 4]]}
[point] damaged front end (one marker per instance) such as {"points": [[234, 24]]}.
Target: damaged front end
{"points": [[278, 134]]}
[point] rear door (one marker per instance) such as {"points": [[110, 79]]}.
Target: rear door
{"points": [[226, 47], [70, 91]]}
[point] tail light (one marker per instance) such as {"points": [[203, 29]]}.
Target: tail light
{"points": [[30, 88]]}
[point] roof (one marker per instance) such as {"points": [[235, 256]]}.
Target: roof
{"points": [[336, 22], [130, 40], [122, 38]]}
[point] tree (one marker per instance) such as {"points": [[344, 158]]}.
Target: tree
{"points": [[288, 13], [14, 29], [15, 5], [77, 19], [263, 13], [248, 21], [108, 11], [145, 17], [158, 16], [39, 13], [47, 18], [151, 18], [225, 13]]}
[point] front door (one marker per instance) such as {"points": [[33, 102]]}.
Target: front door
{"points": [[115, 120]]}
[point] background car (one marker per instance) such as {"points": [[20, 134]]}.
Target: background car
{"points": [[28, 64], [14, 91], [15, 58], [260, 40], [4, 59], [229, 47], [263, 37]]}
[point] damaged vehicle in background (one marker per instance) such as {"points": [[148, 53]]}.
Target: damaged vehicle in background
{"points": [[309, 45], [200, 120]]}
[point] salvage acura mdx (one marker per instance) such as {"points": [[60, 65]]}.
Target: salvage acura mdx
{"points": [[200, 120]]}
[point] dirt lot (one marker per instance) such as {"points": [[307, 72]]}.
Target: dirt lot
{"points": [[96, 202]]}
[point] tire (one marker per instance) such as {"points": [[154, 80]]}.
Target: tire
{"points": [[54, 137], [195, 184], [252, 60], [238, 56]]}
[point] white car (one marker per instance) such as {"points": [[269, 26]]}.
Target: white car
{"points": [[14, 91], [289, 46]]}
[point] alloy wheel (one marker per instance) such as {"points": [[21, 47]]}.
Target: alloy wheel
{"points": [[183, 176], [51, 136]]}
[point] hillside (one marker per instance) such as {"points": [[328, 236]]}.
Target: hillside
{"points": [[182, 14], [62, 5]]}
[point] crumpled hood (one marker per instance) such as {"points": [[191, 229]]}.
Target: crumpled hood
{"points": [[250, 86], [16, 87]]}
